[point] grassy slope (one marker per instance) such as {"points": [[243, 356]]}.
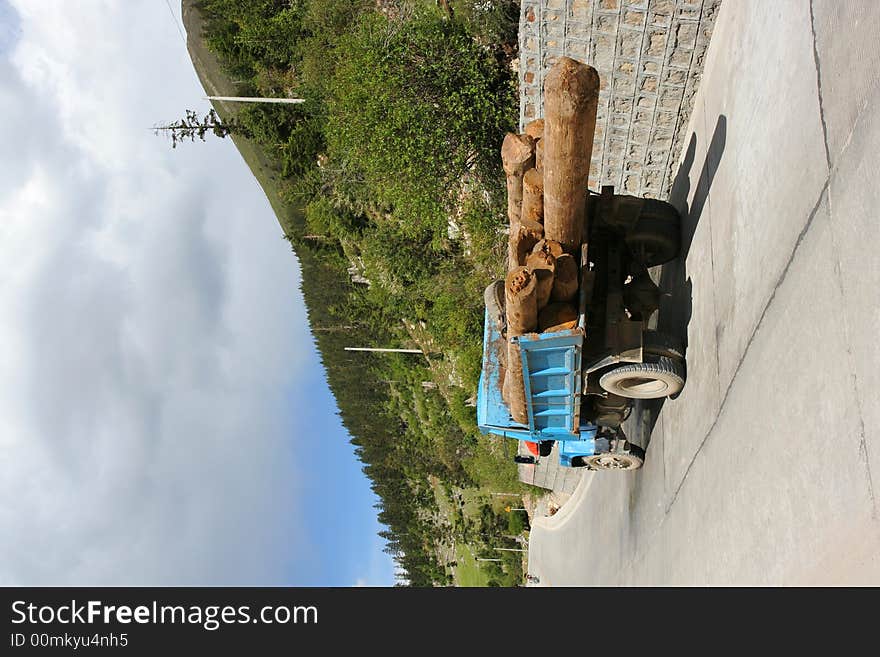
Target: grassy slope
{"points": [[216, 83]]}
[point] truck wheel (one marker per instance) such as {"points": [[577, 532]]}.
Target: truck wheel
{"points": [[525, 460], [629, 457], [545, 447], [662, 344], [656, 237], [645, 380], [493, 296]]}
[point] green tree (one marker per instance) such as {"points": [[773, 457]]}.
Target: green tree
{"points": [[191, 126]]}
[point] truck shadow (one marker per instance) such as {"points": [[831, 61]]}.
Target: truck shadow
{"points": [[676, 307]]}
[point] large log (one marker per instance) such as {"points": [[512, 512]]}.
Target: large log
{"points": [[523, 237], [517, 156], [557, 317], [571, 96], [539, 155], [533, 196], [520, 302], [565, 283]]}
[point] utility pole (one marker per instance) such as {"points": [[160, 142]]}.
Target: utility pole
{"points": [[396, 351], [256, 99]]}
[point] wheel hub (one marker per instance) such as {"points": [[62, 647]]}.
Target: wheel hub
{"points": [[644, 385], [612, 462]]}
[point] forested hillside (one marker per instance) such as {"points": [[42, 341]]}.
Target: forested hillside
{"points": [[393, 162]]}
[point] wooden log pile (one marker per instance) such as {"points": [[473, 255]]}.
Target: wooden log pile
{"points": [[546, 169]]}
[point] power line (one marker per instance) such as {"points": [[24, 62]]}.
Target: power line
{"points": [[176, 23]]}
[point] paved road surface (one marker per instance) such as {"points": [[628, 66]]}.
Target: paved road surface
{"points": [[766, 470]]}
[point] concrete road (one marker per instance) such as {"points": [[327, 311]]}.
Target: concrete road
{"points": [[766, 470]]}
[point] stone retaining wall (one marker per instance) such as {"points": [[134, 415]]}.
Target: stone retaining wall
{"points": [[649, 55]]}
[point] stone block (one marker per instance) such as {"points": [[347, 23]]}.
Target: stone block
{"points": [[686, 35], [656, 43], [634, 18], [648, 84]]}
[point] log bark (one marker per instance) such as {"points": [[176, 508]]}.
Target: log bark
{"points": [[520, 300], [514, 386], [535, 129], [565, 283], [571, 95], [517, 156], [539, 155], [523, 237], [557, 317], [533, 196]]}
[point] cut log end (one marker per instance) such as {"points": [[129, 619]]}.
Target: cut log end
{"points": [[541, 260], [520, 298], [565, 285], [574, 83], [544, 285], [535, 129], [517, 152], [552, 247], [519, 280]]}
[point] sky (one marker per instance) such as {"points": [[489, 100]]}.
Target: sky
{"points": [[164, 416]]}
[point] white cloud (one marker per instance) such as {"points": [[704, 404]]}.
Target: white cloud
{"points": [[148, 328]]}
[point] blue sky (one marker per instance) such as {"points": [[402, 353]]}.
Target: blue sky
{"points": [[164, 417]]}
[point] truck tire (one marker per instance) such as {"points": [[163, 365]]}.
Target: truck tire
{"points": [[545, 447], [525, 460], [656, 343], [493, 296], [645, 380], [656, 237], [629, 457]]}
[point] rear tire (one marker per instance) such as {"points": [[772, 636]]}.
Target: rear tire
{"points": [[656, 237], [645, 380], [545, 447]]}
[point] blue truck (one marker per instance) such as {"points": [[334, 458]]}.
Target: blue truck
{"points": [[580, 383]]}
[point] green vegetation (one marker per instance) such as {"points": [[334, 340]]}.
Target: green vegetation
{"points": [[393, 159]]}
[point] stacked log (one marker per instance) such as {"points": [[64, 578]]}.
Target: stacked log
{"points": [[521, 304], [533, 196], [565, 282], [517, 157], [571, 96]]}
